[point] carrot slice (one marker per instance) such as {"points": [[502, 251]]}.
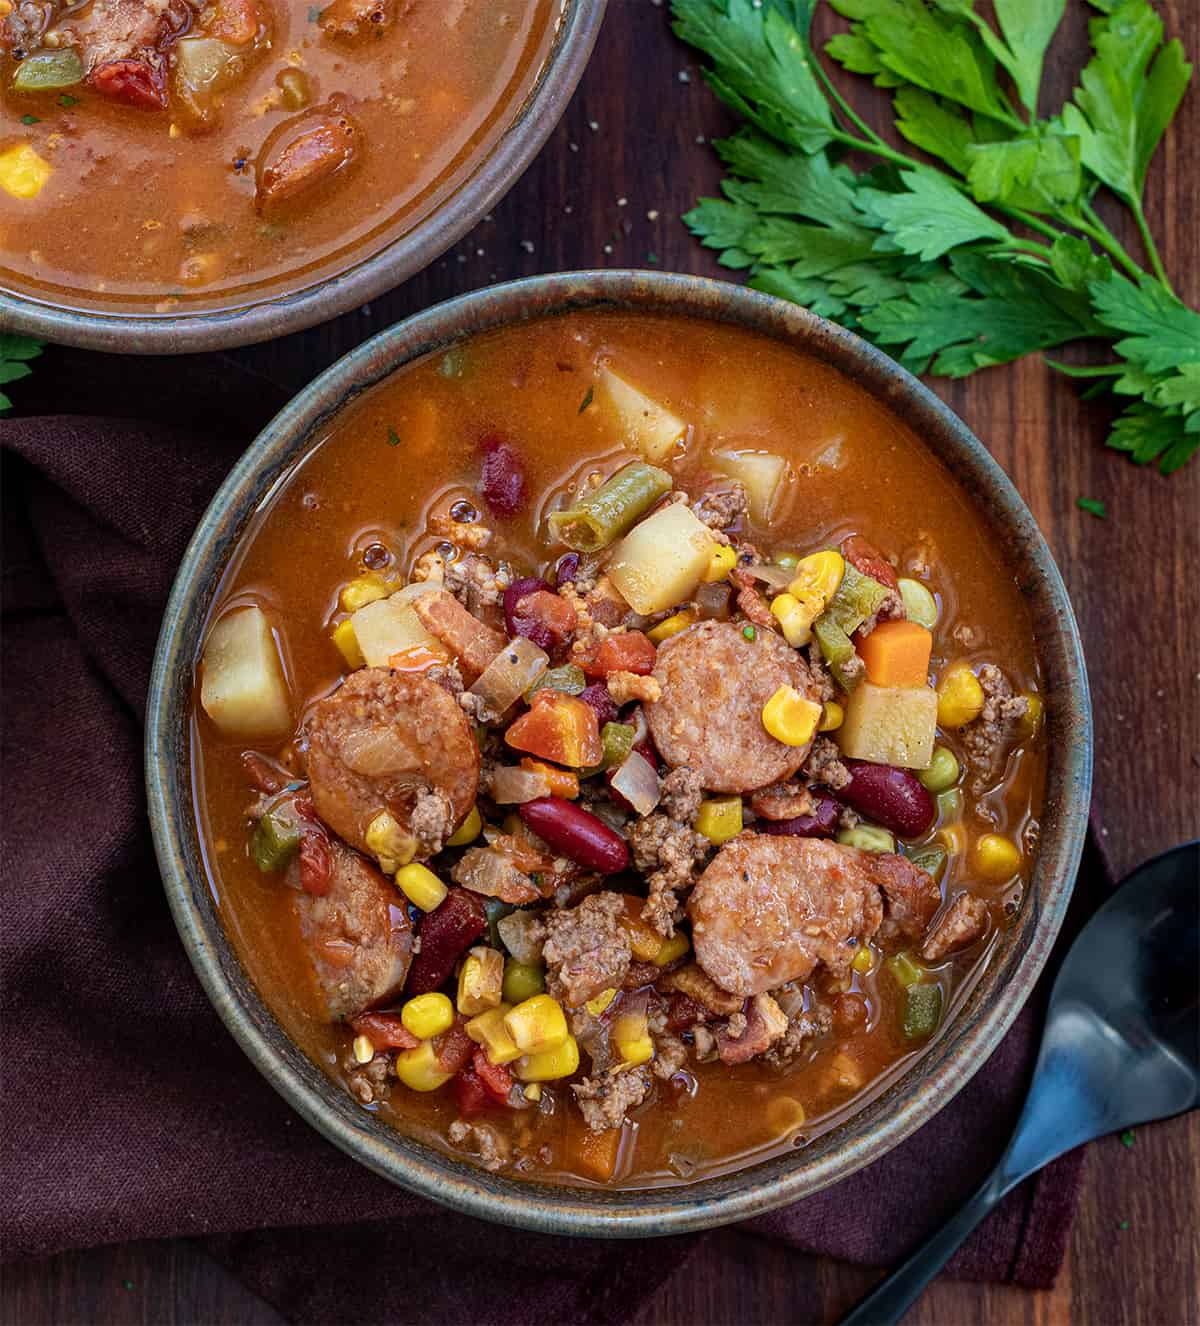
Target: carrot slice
{"points": [[897, 654]]}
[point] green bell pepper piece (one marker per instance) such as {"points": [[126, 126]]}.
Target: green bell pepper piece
{"points": [[274, 843], [922, 1011]]}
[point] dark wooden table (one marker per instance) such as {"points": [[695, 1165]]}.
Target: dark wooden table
{"points": [[608, 190]]}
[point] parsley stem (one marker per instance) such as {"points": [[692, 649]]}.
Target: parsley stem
{"points": [[844, 106], [1089, 223], [1135, 206]]}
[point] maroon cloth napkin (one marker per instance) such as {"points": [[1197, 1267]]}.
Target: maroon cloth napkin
{"points": [[129, 1112]]}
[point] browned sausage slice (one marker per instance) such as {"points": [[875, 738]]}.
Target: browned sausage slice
{"points": [[392, 741], [768, 910], [357, 935], [714, 684]]}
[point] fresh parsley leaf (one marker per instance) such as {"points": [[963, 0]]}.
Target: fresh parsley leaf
{"points": [[1163, 331], [1127, 1137], [1123, 1224], [30, 119], [66, 101], [393, 438], [1028, 27], [1076, 264], [1147, 433], [931, 217], [587, 399], [935, 126], [15, 354], [1093, 506], [762, 67], [1039, 172], [1182, 389]]}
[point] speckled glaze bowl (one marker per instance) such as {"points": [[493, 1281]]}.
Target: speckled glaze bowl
{"points": [[267, 317], [904, 1105]]}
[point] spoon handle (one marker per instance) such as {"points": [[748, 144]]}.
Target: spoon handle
{"points": [[892, 1299]]}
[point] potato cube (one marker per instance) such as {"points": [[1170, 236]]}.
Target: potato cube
{"points": [[659, 562], [387, 626], [647, 427], [242, 689], [762, 474], [890, 725]]}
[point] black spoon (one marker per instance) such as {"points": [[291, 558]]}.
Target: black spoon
{"points": [[1121, 1046]]}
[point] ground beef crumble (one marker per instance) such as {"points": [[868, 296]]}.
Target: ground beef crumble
{"points": [[367, 1082], [824, 765], [490, 1147], [431, 821], [682, 793], [985, 740], [669, 851], [802, 1028], [721, 507], [625, 687], [606, 1099], [586, 950]]}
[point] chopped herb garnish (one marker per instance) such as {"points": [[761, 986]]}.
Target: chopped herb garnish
{"points": [[989, 246], [651, 257], [127, 1284], [1092, 505], [749, 632], [15, 352], [66, 101], [587, 399], [1124, 1224], [393, 438], [1127, 1138], [30, 119]]}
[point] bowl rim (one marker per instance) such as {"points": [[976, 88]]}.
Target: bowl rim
{"points": [[946, 1064], [366, 278]]}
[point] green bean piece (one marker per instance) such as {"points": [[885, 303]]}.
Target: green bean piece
{"points": [[495, 911], [858, 597], [48, 71], [905, 970], [932, 860], [568, 678], [942, 773], [922, 1011], [600, 517], [274, 843], [838, 651]]}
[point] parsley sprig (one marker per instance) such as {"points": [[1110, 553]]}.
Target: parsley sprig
{"points": [[15, 354], [995, 251]]}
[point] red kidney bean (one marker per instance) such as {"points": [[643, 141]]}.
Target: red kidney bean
{"points": [[566, 569], [894, 798], [503, 479], [576, 833], [534, 610], [598, 697], [445, 932], [822, 823]]}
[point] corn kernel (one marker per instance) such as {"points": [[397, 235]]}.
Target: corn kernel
{"points": [[522, 980], [347, 645], [533, 1092], [363, 590], [795, 618], [790, 717], [672, 948], [545, 1065], [722, 561], [428, 1015], [631, 1036], [488, 1030], [468, 830], [421, 887], [1031, 719], [23, 174], [818, 576], [480, 981], [784, 1115], [537, 1024], [420, 1069], [673, 625], [363, 1050], [863, 959], [597, 1006], [996, 857], [832, 716], [960, 697], [720, 819], [389, 843]]}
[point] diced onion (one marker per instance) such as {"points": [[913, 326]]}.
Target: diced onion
{"points": [[510, 674], [637, 781], [641, 729], [513, 786], [712, 600], [778, 577]]}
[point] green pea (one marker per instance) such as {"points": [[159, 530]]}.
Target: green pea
{"points": [[867, 838], [522, 980], [943, 771]]}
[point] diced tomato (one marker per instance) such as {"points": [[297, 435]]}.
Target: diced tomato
{"points": [[496, 1079], [560, 728], [316, 863], [130, 81], [470, 1094], [544, 617], [385, 1031], [631, 651], [453, 1048]]}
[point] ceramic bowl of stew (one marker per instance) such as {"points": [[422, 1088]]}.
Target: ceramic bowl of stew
{"points": [[233, 170], [720, 476]]}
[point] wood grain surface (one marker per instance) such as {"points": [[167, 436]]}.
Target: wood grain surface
{"points": [[607, 191]]}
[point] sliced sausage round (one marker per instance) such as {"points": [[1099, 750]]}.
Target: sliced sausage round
{"points": [[714, 684], [357, 935], [392, 741], [768, 910]]}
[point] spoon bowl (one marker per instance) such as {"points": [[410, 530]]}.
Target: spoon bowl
{"points": [[1121, 1047]]}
